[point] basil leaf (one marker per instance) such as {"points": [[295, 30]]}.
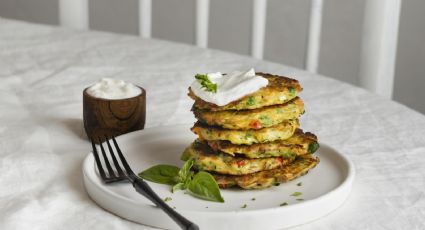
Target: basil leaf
{"points": [[178, 186], [163, 174], [204, 186], [186, 154], [185, 174]]}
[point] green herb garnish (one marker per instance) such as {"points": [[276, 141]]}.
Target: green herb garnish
{"points": [[300, 199], [313, 147], [299, 183], [206, 83], [201, 184], [251, 101], [253, 198], [265, 120], [167, 199], [292, 90], [248, 135], [296, 194], [244, 206], [283, 204]]}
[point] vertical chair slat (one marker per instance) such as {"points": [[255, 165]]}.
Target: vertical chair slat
{"points": [[258, 28], [379, 46], [74, 14], [145, 18], [313, 40], [202, 18]]}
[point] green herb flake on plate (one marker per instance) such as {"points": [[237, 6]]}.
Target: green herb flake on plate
{"points": [[296, 194]]}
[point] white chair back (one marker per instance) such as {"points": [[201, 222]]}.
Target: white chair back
{"points": [[379, 38]]}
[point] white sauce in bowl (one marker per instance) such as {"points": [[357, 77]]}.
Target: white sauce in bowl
{"points": [[230, 87], [108, 88]]}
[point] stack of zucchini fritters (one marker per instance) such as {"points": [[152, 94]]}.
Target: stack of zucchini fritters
{"points": [[254, 142]]}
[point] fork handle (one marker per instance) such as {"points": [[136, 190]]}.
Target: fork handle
{"points": [[143, 188]]}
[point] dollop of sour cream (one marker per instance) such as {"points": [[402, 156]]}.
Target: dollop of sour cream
{"points": [[230, 87], [108, 88]]}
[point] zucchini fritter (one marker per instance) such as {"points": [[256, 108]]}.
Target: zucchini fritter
{"points": [[279, 91], [299, 144], [254, 118], [280, 131], [208, 160], [268, 178]]}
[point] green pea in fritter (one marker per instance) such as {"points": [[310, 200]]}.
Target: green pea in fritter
{"points": [[264, 179], [299, 144], [279, 91], [254, 118], [280, 131]]}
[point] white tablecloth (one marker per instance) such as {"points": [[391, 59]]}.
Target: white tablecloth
{"points": [[43, 71]]}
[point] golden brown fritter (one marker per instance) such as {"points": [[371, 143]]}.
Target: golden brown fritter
{"points": [[268, 178], [208, 160], [299, 144], [253, 118], [280, 131], [279, 91]]}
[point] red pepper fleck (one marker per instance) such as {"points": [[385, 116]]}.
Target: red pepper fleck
{"points": [[256, 124], [214, 145], [280, 159], [240, 163]]}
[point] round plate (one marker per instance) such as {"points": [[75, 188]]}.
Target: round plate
{"points": [[323, 189]]}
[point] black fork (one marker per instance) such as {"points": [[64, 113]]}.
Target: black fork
{"points": [[138, 183]]}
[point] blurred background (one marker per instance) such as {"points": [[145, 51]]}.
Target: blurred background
{"points": [[285, 39]]}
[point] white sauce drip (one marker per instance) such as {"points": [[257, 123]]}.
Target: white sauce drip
{"points": [[108, 88], [230, 87]]}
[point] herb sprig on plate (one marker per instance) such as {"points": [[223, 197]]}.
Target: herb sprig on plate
{"points": [[201, 184], [206, 83]]}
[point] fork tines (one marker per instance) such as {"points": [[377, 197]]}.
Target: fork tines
{"points": [[114, 173], [127, 174]]}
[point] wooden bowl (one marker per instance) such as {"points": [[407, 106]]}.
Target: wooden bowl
{"points": [[107, 117]]}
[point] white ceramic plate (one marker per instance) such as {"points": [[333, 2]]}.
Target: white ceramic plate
{"points": [[323, 189]]}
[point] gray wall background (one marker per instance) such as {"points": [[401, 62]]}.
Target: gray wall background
{"points": [[286, 32]]}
